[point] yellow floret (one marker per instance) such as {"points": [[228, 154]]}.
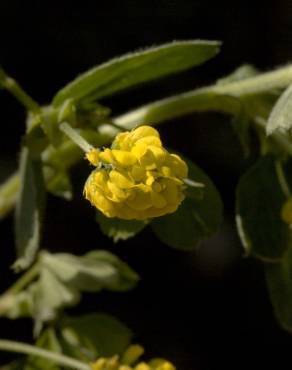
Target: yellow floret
{"points": [[137, 178]]}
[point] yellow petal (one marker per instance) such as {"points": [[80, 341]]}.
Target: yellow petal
{"points": [[107, 156], [148, 161], [143, 131], [166, 171], [117, 194], [132, 354], [150, 140], [171, 192], [150, 178], [99, 178], [178, 166], [142, 366], [161, 364], [120, 179], [138, 173], [124, 158], [159, 153], [139, 150], [158, 201], [121, 141], [156, 186], [141, 199], [93, 156]]}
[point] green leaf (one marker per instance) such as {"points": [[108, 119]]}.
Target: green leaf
{"points": [[281, 116], [127, 277], [195, 220], [29, 209], [51, 294], [94, 335], [136, 68], [119, 229], [92, 272], [279, 279], [61, 279], [48, 340], [259, 202]]}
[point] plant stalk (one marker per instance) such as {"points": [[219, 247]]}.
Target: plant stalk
{"points": [[12, 346], [17, 91]]}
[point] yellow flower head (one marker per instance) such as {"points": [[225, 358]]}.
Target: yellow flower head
{"points": [[137, 178]]}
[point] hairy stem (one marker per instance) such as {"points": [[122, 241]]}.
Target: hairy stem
{"points": [[11, 346], [185, 103]]}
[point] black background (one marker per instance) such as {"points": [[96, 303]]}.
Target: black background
{"points": [[204, 310]]}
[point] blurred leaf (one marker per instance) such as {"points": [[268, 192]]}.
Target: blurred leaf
{"points": [[61, 185], [94, 335], [17, 305], [194, 190], [51, 295], [49, 341], [119, 229], [279, 279], [29, 209], [281, 116], [127, 279], [61, 279], [259, 202], [195, 220], [240, 73], [92, 272], [133, 69]]}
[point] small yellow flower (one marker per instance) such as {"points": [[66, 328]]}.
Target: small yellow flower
{"points": [[113, 364], [137, 178]]}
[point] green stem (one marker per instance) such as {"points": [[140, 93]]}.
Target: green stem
{"points": [[278, 79], [24, 280], [11, 346], [186, 103], [17, 91], [75, 137]]}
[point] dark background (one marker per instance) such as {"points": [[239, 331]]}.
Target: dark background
{"points": [[204, 310]]}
